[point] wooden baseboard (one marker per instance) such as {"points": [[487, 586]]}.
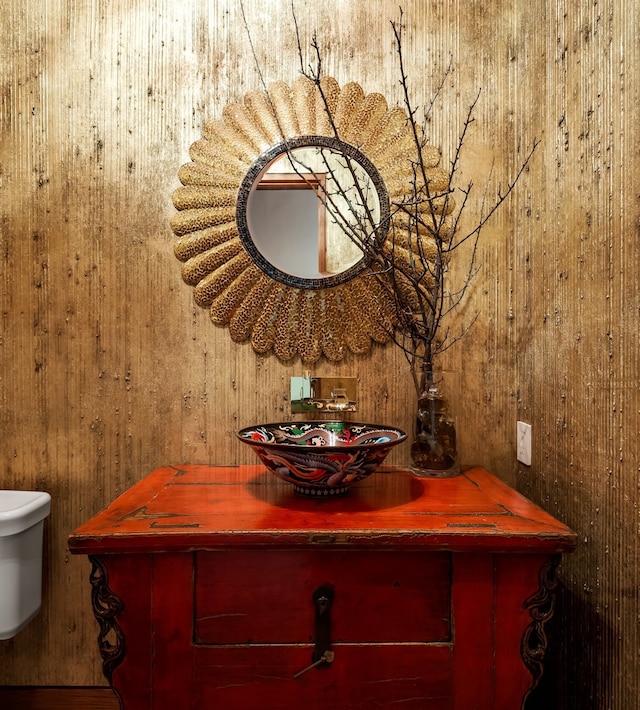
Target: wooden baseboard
{"points": [[18, 698]]}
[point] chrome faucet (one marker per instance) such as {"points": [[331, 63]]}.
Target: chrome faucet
{"points": [[323, 394]]}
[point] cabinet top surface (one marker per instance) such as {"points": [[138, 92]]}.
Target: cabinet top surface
{"points": [[183, 508]]}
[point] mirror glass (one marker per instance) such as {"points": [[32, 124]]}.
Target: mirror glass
{"points": [[306, 207]]}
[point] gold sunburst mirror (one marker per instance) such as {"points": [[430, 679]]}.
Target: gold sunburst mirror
{"points": [[248, 254]]}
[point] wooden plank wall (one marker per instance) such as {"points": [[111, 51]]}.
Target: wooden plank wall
{"points": [[108, 370]]}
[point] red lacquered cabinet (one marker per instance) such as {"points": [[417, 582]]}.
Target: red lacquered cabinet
{"points": [[219, 587]]}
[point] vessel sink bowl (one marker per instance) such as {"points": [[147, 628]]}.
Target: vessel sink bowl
{"points": [[321, 458]]}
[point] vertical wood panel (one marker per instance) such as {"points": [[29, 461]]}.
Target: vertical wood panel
{"points": [[583, 398], [108, 370]]}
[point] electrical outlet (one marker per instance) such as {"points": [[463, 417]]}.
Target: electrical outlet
{"points": [[524, 443]]}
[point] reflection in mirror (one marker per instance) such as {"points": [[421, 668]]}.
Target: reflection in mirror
{"points": [[307, 208], [287, 222]]}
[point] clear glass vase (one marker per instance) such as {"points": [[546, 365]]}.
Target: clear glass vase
{"points": [[434, 451]]}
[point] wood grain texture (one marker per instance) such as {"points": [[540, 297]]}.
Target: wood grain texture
{"points": [[58, 699], [108, 370]]}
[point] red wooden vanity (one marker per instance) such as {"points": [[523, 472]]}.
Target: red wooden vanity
{"points": [[217, 587]]}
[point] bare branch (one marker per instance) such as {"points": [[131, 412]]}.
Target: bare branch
{"points": [[412, 265]]}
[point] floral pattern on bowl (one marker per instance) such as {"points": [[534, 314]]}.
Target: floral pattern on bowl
{"points": [[321, 458]]}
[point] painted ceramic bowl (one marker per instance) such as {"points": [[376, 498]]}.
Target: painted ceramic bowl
{"points": [[321, 459]]}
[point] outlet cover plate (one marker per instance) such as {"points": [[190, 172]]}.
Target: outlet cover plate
{"points": [[523, 443]]}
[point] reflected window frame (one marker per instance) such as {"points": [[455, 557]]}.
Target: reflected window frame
{"points": [[255, 174], [292, 181]]}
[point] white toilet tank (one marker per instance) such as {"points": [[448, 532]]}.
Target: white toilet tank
{"points": [[22, 515]]}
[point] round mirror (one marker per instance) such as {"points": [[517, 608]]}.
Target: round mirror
{"points": [[285, 288], [306, 207]]}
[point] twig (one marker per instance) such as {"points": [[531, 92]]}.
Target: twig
{"points": [[413, 277]]}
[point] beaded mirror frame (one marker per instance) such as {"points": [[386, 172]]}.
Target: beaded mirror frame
{"points": [[320, 144], [292, 318]]}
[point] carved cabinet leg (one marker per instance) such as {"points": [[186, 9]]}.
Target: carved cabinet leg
{"points": [[523, 604], [106, 606], [540, 606]]}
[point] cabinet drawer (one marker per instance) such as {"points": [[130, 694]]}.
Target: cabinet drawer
{"points": [[261, 596], [361, 677]]}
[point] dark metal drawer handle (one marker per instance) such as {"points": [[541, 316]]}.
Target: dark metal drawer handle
{"points": [[322, 653]]}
